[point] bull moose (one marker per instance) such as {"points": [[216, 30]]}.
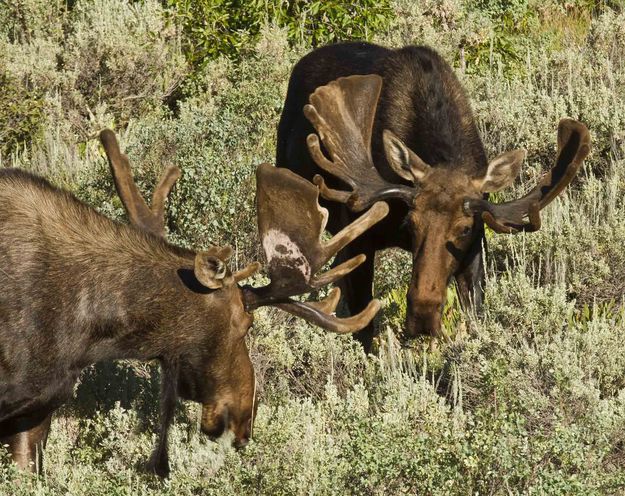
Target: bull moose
{"points": [[80, 288], [396, 125]]}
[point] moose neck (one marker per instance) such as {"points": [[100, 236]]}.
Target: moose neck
{"points": [[106, 290], [131, 312]]}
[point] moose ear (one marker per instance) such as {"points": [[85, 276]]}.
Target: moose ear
{"points": [[406, 163], [209, 270], [501, 172]]}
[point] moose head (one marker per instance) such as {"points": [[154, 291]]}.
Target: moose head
{"points": [[219, 373], [446, 202]]}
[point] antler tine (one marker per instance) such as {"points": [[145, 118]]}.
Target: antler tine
{"points": [[329, 303], [331, 323], [169, 177], [148, 219], [337, 272], [523, 214], [342, 112], [246, 272], [346, 235]]}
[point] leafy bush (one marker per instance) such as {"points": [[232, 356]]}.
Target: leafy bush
{"points": [[217, 140], [227, 27], [104, 62], [22, 115], [23, 21]]}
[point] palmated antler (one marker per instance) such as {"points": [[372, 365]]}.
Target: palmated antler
{"points": [[145, 218], [342, 112], [290, 224], [523, 214]]}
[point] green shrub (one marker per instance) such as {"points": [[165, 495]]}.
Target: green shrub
{"points": [[227, 27], [23, 21], [22, 115], [529, 399], [122, 56], [106, 62]]}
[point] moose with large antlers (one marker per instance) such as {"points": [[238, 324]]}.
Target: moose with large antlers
{"points": [[79, 288], [396, 125]]}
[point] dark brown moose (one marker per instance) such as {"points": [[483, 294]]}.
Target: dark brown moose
{"points": [[396, 125], [79, 288]]}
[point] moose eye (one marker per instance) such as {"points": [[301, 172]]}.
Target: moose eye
{"points": [[465, 232]]}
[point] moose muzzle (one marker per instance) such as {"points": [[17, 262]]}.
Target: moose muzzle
{"points": [[423, 320], [218, 421]]}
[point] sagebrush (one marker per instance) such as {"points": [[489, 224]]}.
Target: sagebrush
{"points": [[526, 398]]}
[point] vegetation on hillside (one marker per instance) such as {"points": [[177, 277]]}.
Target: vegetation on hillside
{"points": [[526, 398]]}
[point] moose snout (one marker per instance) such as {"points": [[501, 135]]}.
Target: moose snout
{"points": [[216, 424], [423, 320], [240, 443]]}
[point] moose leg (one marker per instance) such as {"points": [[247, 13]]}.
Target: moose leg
{"points": [[159, 461], [470, 278], [357, 288], [26, 438]]}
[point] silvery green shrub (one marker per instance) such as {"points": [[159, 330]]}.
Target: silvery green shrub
{"points": [[527, 397]]}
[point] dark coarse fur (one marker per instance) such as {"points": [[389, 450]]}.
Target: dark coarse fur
{"points": [[79, 288], [422, 102]]}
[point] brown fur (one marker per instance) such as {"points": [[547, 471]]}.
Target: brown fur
{"points": [[424, 105], [397, 125], [78, 288], [441, 231]]}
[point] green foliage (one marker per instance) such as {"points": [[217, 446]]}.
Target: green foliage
{"points": [[512, 12], [98, 63], [23, 21], [22, 115], [124, 60], [503, 42], [394, 313], [227, 27], [395, 307], [507, 30], [217, 141]]}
